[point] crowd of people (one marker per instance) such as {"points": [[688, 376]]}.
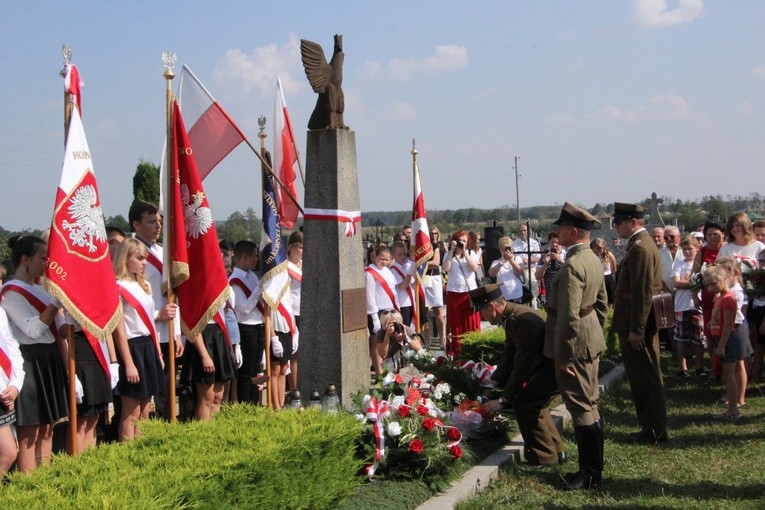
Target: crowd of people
{"points": [[578, 280]]}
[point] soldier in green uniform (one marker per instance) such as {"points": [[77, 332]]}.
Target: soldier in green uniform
{"points": [[577, 309], [638, 279], [526, 377]]}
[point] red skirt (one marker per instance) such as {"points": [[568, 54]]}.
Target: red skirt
{"points": [[460, 318]]}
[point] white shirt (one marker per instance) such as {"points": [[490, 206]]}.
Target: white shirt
{"points": [[377, 298], [683, 297], [10, 347], [520, 247], [134, 325], [246, 308], [407, 268], [154, 277], [296, 283], [667, 264], [461, 277], [24, 319], [510, 284], [278, 321], [750, 251]]}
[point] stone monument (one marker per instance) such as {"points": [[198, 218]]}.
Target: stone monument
{"points": [[333, 316]]}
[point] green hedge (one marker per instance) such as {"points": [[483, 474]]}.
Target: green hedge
{"points": [[483, 346], [247, 457]]}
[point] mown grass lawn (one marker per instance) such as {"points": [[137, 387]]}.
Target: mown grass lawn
{"points": [[705, 464]]}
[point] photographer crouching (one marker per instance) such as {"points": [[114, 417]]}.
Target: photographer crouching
{"points": [[394, 340]]}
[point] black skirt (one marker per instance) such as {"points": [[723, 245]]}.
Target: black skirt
{"points": [[43, 398], [217, 349], [146, 360], [96, 384]]}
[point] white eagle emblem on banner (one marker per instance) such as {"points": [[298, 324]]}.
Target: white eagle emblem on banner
{"points": [[88, 220], [197, 218]]}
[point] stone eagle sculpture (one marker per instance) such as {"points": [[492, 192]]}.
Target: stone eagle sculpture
{"points": [[326, 79]]}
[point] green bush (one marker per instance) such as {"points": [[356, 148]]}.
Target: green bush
{"points": [[247, 457], [483, 346]]}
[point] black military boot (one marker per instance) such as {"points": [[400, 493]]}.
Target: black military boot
{"points": [[589, 441]]}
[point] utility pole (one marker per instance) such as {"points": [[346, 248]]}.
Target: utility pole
{"points": [[517, 192]]}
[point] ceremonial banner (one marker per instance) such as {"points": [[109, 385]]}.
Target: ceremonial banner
{"points": [[273, 254], [79, 271], [213, 134], [72, 84], [423, 248], [285, 157], [195, 241]]}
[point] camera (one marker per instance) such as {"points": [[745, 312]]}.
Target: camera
{"points": [[398, 328], [460, 244]]}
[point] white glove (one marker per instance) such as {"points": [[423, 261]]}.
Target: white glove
{"points": [[114, 372], [237, 356], [276, 347], [78, 391], [295, 339]]}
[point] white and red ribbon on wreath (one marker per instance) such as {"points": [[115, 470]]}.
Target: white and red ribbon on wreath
{"points": [[376, 412], [481, 372], [349, 217]]}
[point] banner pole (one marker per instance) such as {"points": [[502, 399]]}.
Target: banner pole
{"points": [[169, 59]]}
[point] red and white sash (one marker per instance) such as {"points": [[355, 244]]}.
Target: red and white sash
{"points": [[294, 272], [220, 320], [281, 308], [5, 363], [38, 304], [154, 261], [410, 294], [384, 285], [339, 215], [142, 314]]}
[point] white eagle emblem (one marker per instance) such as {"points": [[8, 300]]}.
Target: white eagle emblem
{"points": [[197, 219], [88, 221]]}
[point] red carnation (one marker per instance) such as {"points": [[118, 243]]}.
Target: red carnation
{"points": [[399, 379], [404, 411], [416, 446], [453, 434], [428, 424], [456, 451], [421, 409]]}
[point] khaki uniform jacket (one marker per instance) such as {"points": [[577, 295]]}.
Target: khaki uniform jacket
{"points": [[524, 338], [578, 306], [637, 280]]}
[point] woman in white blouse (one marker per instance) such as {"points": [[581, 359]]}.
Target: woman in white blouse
{"points": [[11, 382], [508, 270], [460, 263]]}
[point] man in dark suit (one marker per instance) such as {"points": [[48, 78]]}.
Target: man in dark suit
{"points": [[526, 377], [577, 309], [638, 279]]}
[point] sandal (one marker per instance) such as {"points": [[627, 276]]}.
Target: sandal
{"points": [[723, 401]]}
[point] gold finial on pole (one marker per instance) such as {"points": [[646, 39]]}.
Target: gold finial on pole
{"points": [[414, 149], [66, 56], [168, 62]]}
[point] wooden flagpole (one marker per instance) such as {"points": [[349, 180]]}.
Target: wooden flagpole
{"points": [[267, 168], [417, 279], [266, 316], [168, 60], [66, 52]]}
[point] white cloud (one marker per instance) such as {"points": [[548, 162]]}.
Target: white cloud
{"points": [[399, 110], [758, 71], [650, 14], [446, 58], [259, 70], [661, 106]]}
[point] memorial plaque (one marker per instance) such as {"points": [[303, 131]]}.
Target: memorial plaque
{"points": [[354, 309]]}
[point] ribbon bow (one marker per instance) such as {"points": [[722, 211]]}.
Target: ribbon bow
{"points": [[481, 372], [376, 411], [349, 217]]}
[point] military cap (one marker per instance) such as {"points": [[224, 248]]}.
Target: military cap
{"points": [[481, 296], [576, 217], [628, 211]]}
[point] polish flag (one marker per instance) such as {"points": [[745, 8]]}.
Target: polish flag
{"points": [[79, 270], [213, 134], [285, 157], [423, 249], [72, 84]]}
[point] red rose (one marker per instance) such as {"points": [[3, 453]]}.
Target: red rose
{"points": [[453, 433], [440, 361], [456, 451], [404, 411], [428, 424], [421, 409], [416, 381], [416, 446], [399, 379]]}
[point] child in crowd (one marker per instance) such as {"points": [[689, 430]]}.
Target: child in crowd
{"points": [[141, 361], [380, 284], [295, 270], [248, 309], [756, 320], [735, 281], [689, 323], [724, 334], [403, 272]]}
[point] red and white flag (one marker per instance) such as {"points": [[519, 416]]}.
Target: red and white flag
{"points": [[213, 134], [203, 288], [72, 84], [423, 249], [79, 271], [285, 157]]}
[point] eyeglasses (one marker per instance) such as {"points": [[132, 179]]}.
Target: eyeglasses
{"points": [[670, 237], [434, 233]]}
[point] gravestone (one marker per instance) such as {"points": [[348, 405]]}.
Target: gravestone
{"points": [[333, 311]]}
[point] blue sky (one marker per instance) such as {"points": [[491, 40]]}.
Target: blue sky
{"points": [[602, 100]]}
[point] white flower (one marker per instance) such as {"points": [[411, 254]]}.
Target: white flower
{"points": [[389, 379], [396, 401], [459, 397], [361, 417], [394, 429], [442, 390], [409, 353], [429, 377]]}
